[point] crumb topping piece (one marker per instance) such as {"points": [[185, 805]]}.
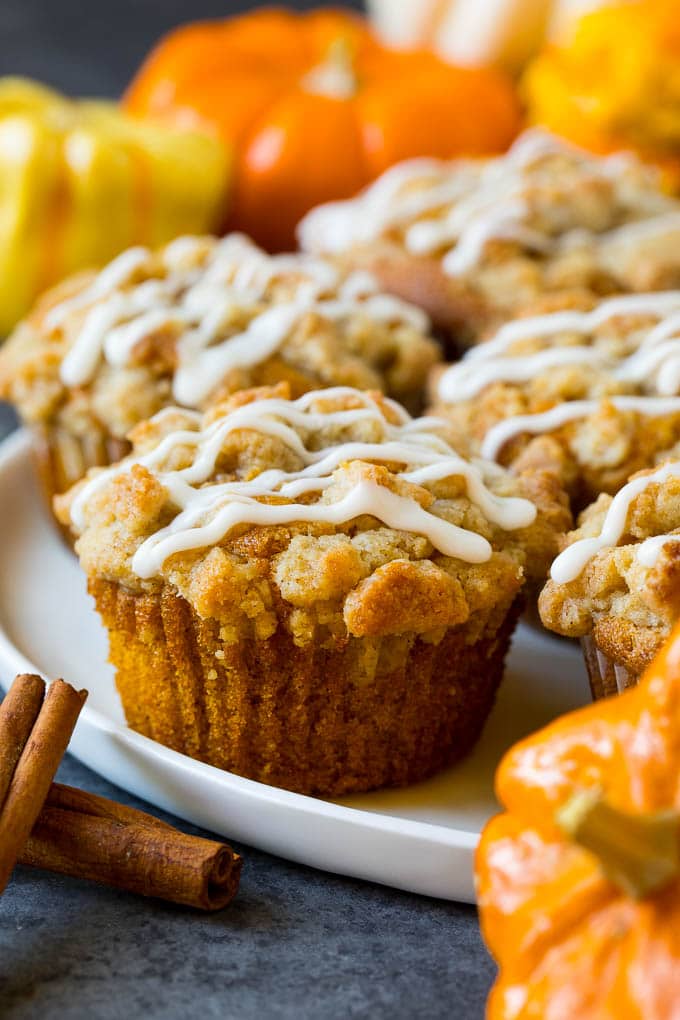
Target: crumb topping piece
{"points": [[624, 346], [306, 502], [199, 292], [544, 196], [644, 353], [210, 509], [201, 318], [603, 381], [618, 576], [572, 560]]}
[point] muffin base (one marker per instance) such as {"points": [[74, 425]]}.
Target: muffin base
{"points": [[314, 720], [606, 676], [62, 459], [459, 315]]}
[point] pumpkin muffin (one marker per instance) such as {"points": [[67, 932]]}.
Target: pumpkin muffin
{"points": [[187, 324], [590, 390], [316, 593], [473, 241], [616, 584]]}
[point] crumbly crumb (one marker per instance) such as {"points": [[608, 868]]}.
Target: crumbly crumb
{"points": [[558, 193], [629, 608], [360, 349], [323, 582], [591, 454]]}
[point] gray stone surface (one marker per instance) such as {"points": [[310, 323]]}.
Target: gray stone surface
{"points": [[296, 943], [7, 420]]}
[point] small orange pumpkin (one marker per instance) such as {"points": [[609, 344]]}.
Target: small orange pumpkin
{"points": [[579, 880], [316, 107]]}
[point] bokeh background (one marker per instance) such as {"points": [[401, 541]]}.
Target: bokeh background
{"points": [[92, 48]]}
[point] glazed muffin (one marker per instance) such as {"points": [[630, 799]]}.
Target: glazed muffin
{"points": [[616, 585], [589, 391], [316, 593], [187, 324], [474, 241]]}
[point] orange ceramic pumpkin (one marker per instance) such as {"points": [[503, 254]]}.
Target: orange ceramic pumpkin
{"points": [[316, 107], [579, 881]]}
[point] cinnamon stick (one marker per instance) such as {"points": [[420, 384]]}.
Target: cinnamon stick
{"points": [[75, 833], [32, 744], [86, 836], [18, 713]]}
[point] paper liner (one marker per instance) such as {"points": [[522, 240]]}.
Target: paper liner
{"points": [[62, 459], [317, 720], [606, 676]]}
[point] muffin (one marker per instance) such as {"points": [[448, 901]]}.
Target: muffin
{"points": [[473, 241], [590, 390], [187, 324], [315, 593], [616, 585]]}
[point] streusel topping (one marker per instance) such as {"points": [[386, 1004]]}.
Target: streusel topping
{"points": [[201, 318], [311, 501], [579, 219], [609, 370], [619, 574]]}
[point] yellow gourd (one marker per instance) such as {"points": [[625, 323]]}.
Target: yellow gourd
{"points": [[82, 181], [614, 82]]}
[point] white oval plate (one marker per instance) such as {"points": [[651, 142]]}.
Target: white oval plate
{"points": [[421, 838]]}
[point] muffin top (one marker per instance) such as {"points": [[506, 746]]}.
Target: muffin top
{"points": [[335, 513], [545, 216], [201, 318], [600, 379], [618, 577]]}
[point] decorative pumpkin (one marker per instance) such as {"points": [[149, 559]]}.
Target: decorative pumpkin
{"points": [[81, 182], [615, 82], [474, 33], [579, 880], [468, 32], [316, 108]]}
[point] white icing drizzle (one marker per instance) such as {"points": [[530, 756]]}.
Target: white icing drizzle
{"points": [[656, 362], [118, 272], [457, 207], [649, 551], [572, 410], [205, 285], [651, 228], [572, 561], [208, 511]]}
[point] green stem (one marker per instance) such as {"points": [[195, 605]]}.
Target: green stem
{"points": [[640, 853]]}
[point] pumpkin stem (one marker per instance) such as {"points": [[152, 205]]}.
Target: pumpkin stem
{"points": [[336, 75], [640, 853]]}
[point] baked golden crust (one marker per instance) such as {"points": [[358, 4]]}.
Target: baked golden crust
{"points": [[544, 219], [594, 453], [355, 349], [458, 311], [319, 581], [626, 606]]}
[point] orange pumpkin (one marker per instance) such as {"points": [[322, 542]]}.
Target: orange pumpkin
{"points": [[316, 107], [579, 880]]}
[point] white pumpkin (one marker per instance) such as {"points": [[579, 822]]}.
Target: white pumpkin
{"points": [[473, 32]]}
